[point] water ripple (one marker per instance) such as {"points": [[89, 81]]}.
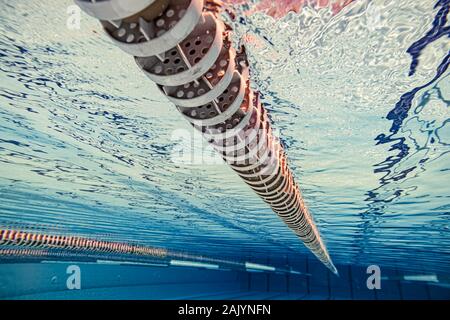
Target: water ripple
{"points": [[86, 139]]}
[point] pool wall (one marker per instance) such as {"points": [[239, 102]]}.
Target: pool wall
{"points": [[47, 280]]}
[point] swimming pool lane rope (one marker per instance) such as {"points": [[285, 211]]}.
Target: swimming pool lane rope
{"points": [[185, 48], [19, 238], [43, 246]]}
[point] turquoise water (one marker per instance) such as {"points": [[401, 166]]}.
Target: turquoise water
{"points": [[360, 101]]}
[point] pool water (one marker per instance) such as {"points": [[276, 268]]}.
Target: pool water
{"points": [[359, 99]]}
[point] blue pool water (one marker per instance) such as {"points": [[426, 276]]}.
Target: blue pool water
{"points": [[360, 100]]}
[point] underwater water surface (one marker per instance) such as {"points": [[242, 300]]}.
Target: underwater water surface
{"points": [[360, 100]]}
